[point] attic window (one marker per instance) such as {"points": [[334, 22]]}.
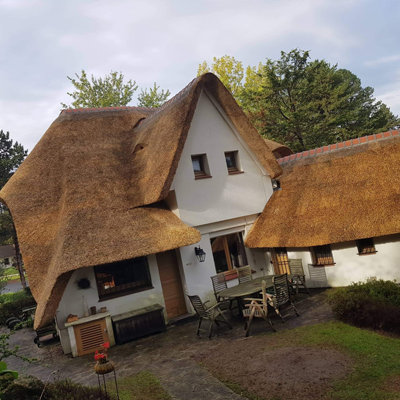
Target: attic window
{"points": [[200, 166], [232, 162], [365, 246], [322, 255], [276, 185]]}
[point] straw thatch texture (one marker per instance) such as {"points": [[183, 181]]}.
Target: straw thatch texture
{"points": [[279, 150], [343, 195], [72, 202]]}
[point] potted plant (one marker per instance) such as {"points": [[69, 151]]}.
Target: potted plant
{"points": [[103, 364]]}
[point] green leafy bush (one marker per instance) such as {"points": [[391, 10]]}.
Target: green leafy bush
{"points": [[374, 304], [11, 304]]}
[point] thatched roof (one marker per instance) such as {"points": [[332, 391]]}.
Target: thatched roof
{"points": [[279, 150], [81, 198], [339, 193]]}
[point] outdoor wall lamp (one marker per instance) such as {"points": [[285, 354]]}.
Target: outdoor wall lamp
{"points": [[200, 253]]}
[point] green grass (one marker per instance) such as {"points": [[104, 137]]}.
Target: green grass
{"points": [[375, 357], [142, 386], [10, 271]]}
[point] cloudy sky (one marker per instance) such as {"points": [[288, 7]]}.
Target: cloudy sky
{"points": [[43, 42]]}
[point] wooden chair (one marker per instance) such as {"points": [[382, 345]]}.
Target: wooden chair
{"points": [[209, 313], [298, 276], [219, 283], [281, 294], [244, 274], [258, 308]]}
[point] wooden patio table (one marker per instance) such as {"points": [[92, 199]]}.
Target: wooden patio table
{"points": [[247, 288]]}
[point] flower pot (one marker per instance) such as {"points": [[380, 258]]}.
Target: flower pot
{"points": [[104, 368]]}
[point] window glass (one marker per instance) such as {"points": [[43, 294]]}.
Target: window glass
{"points": [[196, 164], [123, 277], [366, 246], [231, 161], [323, 255], [229, 252]]}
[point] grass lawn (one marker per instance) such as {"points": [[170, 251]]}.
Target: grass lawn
{"points": [[374, 361], [142, 386], [10, 271]]}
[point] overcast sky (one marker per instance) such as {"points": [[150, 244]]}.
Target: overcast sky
{"points": [[43, 42]]}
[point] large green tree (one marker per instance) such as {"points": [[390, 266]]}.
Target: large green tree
{"points": [[306, 104], [153, 98], [110, 91], [11, 156]]}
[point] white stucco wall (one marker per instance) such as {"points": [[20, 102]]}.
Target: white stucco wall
{"points": [[71, 302], [350, 267], [222, 197]]}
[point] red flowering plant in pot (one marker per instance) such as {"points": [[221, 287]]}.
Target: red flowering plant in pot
{"points": [[103, 364]]}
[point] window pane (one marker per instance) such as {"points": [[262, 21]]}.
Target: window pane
{"points": [[122, 277], [230, 161], [196, 165]]}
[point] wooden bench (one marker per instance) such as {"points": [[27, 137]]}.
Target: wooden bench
{"points": [[45, 331], [137, 323]]}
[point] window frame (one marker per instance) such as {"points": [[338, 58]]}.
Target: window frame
{"points": [[234, 155], [364, 244], [205, 172], [318, 254], [126, 291]]}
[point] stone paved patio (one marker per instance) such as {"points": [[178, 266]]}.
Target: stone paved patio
{"points": [[168, 355]]}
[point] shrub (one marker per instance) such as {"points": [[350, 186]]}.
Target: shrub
{"points": [[374, 304], [11, 304]]}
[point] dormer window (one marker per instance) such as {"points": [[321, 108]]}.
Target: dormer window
{"points": [[276, 185], [200, 166], [232, 162]]}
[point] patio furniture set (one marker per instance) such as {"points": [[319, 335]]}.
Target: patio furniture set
{"points": [[273, 290]]}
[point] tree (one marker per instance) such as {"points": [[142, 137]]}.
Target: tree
{"points": [[229, 71], [11, 156], [310, 104], [153, 98], [109, 91]]}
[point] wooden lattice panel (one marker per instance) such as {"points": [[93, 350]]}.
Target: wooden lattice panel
{"points": [[90, 336]]}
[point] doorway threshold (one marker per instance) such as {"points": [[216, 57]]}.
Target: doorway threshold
{"points": [[182, 319]]}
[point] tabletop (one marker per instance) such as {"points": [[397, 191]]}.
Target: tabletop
{"points": [[247, 288]]}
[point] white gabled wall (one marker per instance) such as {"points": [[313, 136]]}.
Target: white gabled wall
{"points": [[222, 197], [350, 267]]}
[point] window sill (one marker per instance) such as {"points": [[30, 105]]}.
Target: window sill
{"points": [[323, 265], [202, 177], [235, 172], [120, 294], [367, 254]]}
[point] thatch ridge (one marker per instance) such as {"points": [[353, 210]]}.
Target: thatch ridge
{"points": [[279, 150], [338, 196]]}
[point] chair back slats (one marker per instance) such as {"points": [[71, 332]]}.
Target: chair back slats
{"points": [[281, 289], [219, 283], [296, 267], [198, 306], [244, 274]]}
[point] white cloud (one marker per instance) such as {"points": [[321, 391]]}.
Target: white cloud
{"points": [[383, 60]]}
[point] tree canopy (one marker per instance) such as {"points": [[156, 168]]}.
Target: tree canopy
{"points": [[110, 91], [154, 97], [305, 104]]}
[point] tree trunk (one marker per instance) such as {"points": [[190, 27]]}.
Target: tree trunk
{"points": [[18, 259]]}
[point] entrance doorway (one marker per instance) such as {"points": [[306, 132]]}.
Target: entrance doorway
{"points": [[171, 283], [229, 252]]}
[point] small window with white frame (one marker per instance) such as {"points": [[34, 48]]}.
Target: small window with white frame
{"points": [[232, 162], [365, 246], [200, 166]]}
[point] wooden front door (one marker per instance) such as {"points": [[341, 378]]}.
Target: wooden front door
{"points": [[171, 284]]}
